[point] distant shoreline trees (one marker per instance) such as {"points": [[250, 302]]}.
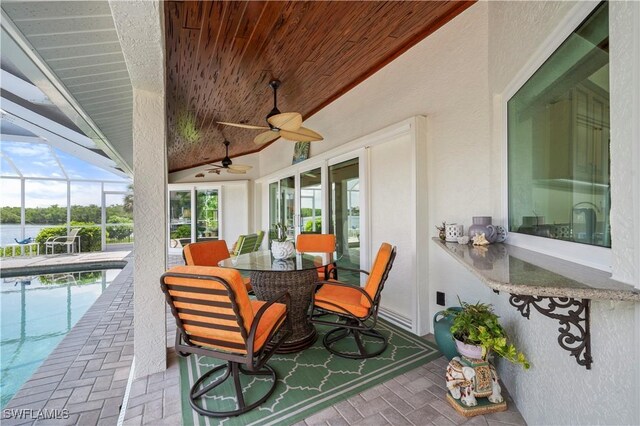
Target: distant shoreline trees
{"points": [[57, 215]]}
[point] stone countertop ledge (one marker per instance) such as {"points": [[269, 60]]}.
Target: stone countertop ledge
{"points": [[515, 270]]}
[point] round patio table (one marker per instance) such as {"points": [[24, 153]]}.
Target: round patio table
{"points": [[297, 275]]}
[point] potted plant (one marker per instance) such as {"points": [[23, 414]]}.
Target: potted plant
{"points": [[280, 247], [478, 332]]}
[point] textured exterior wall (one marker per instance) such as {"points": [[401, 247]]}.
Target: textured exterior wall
{"points": [[625, 212], [140, 30], [149, 155]]}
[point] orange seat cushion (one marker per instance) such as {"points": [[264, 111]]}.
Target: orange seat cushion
{"points": [[347, 298], [271, 319]]}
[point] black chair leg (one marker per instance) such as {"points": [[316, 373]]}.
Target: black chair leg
{"points": [[233, 370], [178, 343], [341, 333]]}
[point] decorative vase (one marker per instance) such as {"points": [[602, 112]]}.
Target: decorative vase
{"points": [[282, 249], [469, 351], [482, 225], [452, 232], [442, 332], [283, 265]]}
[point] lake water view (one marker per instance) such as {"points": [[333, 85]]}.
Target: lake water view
{"points": [[9, 231]]}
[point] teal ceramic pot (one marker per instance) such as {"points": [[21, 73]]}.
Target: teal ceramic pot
{"points": [[442, 331]]}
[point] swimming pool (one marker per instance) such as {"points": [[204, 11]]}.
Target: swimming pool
{"points": [[36, 313]]}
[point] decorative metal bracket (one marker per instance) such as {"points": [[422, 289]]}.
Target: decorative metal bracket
{"points": [[575, 333]]}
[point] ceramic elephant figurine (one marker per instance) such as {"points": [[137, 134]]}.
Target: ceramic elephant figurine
{"points": [[470, 379]]}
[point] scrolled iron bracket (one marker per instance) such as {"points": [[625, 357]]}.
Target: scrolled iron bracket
{"points": [[575, 333]]}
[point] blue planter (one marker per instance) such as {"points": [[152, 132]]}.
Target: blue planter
{"points": [[442, 331]]}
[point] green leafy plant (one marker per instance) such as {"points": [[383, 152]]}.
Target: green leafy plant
{"points": [[280, 231], [182, 231], [478, 325], [441, 231]]}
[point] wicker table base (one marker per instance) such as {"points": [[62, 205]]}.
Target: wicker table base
{"points": [[299, 284]]}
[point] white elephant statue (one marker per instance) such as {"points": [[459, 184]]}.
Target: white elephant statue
{"points": [[468, 380]]}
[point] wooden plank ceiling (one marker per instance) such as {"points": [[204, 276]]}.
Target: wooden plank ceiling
{"points": [[221, 56]]}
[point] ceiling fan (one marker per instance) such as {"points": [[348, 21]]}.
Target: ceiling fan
{"points": [[287, 125], [227, 164]]}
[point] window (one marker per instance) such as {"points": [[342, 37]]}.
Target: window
{"points": [[558, 141]]}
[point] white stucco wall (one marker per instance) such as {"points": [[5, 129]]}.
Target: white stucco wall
{"points": [[235, 211], [140, 27]]}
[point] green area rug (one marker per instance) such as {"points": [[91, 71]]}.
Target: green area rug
{"points": [[308, 381]]}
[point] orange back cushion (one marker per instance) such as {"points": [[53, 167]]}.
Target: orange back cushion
{"points": [[319, 243], [214, 327], [377, 271], [206, 253]]}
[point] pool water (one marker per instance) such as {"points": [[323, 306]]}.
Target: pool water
{"points": [[36, 313]]}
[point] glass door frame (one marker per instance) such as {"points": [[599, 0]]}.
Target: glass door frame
{"points": [[324, 199], [192, 188], [362, 154]]}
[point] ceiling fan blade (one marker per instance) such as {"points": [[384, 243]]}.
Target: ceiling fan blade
{"points": [[286, 121], [266, 137], [239, 167], [236, 172], [244, 126], [301, 135]]}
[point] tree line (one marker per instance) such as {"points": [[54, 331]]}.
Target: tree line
{"points": [[57, 215]]}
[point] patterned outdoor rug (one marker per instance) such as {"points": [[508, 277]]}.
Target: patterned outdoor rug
{"points": [[308, 381]]}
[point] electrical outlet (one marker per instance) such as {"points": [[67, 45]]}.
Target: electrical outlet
{"points": [[440, 298]]}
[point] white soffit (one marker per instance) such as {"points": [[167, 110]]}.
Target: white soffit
{"points": [[78, 65]]}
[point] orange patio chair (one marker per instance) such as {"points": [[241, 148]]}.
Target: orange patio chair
{"points": [[356, 308], [209, 253], [216, 318], [319, 243]]}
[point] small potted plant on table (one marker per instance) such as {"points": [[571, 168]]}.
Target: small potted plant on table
{"points": [[280, 247]]}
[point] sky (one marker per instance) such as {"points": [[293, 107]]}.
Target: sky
{"points": [[37, 160]]}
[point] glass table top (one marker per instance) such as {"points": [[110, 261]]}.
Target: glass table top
{"points": [[264, 261]]}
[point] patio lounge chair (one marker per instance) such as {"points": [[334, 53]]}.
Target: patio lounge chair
{"points": [[245, 244], [64, 240], [259, 240], [356, 306], [319, 243], [216, 318]]}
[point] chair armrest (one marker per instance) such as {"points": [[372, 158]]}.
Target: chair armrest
{"points": [[342, 268], [55, 239], [256, 320], [340, 284], [50, 239]]}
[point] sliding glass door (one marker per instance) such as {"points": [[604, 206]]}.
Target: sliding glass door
{"points": [[207, 214], [344, 211], [193, 215], [311, 202], [326, 198], [282, 206]]}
